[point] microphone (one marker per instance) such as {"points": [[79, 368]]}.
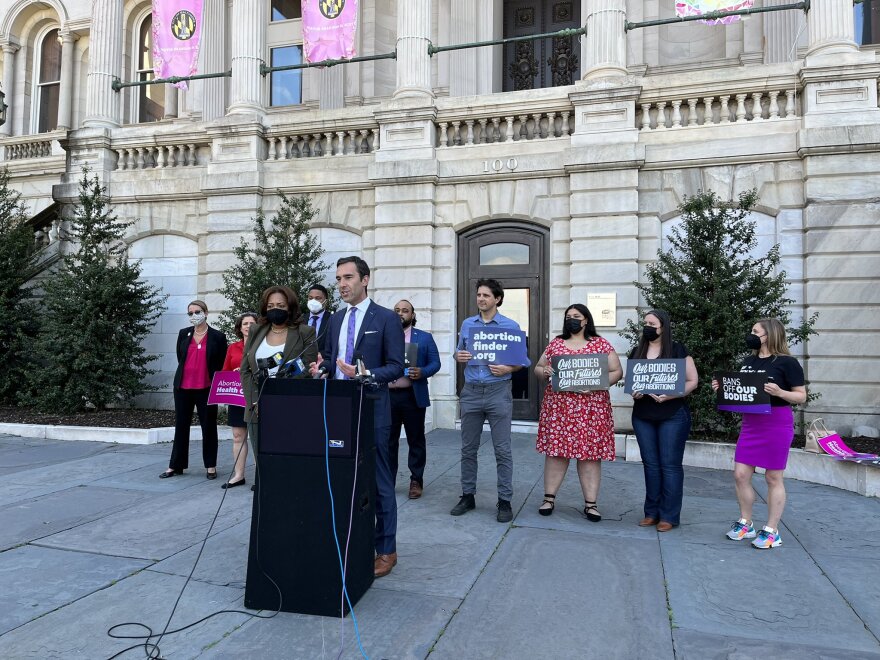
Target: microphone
{"points": [[295, 364], [264, 364], [323, 370]]}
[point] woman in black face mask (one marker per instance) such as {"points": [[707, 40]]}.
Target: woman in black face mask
{"points": [[201, 351], [277, 333], [576, 425], [662, 423], [764, 440]]}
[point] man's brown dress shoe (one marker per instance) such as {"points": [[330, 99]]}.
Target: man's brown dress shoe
{"points": [[383, 564], [415, 490], [664, 526], [647, 522]]}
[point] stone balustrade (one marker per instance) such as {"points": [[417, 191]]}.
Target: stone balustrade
{"points": [[708, 99], [322, 141], [24, 147], [512, 117], [149, 156]]}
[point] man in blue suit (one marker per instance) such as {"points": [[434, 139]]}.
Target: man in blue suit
{"points": [[410, 399], [319, 316], [373, 333]]}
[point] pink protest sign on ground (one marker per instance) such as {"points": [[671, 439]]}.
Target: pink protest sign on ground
{"points": [[328, 28], [226, 389], [699, 7], [834, 445], [177, 31]]}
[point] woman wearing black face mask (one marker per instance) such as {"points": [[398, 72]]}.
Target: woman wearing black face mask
{"points": [[764, 440], [201, 351], [662, 423], [278, 331], [576, 425]]}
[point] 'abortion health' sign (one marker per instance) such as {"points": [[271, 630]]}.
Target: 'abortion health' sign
{"points": [[742, 392], [655, 377], [226, 389], [497, 347], [579, 373]]}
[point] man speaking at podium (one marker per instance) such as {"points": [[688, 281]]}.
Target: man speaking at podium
{"points": [[369, 336]]}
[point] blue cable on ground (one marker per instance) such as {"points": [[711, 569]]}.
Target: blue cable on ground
{"points": [[333, 523]]}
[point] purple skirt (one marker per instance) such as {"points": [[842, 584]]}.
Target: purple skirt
{"points": [[764, 440]]}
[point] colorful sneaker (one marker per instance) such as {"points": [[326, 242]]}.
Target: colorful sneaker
{"points": [[741, 529], [767, 538]]}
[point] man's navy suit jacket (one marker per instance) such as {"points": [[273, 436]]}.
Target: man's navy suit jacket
{"points": [[428, 361], [380, 343]]}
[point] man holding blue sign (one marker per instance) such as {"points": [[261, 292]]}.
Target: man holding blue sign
{"points": [[492, 347]]}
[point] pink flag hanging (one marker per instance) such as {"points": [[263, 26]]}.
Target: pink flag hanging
{"points": [[328, 28], [698, 7], [177, 31]]}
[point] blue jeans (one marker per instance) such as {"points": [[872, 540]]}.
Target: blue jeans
{"points": [[661, 443]]}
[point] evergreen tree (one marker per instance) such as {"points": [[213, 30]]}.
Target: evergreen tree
{"points": [[96, 313], [17, 266], [714, 292], [284, 253]]}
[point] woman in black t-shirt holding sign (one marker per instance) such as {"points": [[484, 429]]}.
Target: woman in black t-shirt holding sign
{"points": [[662, 424], [764, 440]]}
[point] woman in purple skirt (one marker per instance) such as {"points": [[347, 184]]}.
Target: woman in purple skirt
{"points": [[764, 440]]}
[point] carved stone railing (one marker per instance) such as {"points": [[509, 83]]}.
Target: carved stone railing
{"points": [[307, 144], [184, 154], [511, 117], [322, 133], [24, 147], [745, 96]]}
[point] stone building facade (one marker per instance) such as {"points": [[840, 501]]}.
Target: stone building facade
{"points": [[555, 167]]}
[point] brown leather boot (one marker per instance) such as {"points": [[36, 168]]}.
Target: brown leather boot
{"points": [[415, 490]]}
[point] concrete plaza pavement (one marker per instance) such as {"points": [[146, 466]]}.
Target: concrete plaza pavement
{"points": [[90, 537]]}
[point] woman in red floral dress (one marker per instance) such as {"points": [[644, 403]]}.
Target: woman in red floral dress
{"points": [[576, 425]]}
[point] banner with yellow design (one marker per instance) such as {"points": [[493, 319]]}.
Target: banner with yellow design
{"points": [[177, 32]]}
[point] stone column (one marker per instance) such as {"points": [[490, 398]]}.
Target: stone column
{"points": [[781, 28], [8, 81], [332, 92], [248, 44], [413, 61], [214, 95], [65, 101], [171, 102], [103, 108], [603, 49], [832, 27]]}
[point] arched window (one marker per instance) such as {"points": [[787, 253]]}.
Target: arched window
{"points": [[48, 87], [151, 98]]}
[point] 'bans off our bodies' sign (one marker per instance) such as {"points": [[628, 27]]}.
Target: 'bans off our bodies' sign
{"points": [[497, 347], [226, 389], [742, 392], [579, 373], [655, 377]]}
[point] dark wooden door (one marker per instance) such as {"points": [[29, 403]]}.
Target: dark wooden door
{"points": [[545, 62], [516, 255]]}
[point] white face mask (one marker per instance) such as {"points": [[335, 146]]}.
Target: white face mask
{"points": [[197, 319], [314, 306]]}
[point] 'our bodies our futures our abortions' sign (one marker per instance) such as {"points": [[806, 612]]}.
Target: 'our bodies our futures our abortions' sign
{"points": [[742, 392], [660, 376], [579, 373], [497, 346], [226, 389]]}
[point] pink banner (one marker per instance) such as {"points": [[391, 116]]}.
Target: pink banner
{"points": [[226, 389], [328, 28], [699, 7], [177, 31], [834, 445]]}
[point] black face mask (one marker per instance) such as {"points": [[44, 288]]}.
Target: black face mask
{"points": [[753, 342], [650, 333], [572, 326], [277, 316]]}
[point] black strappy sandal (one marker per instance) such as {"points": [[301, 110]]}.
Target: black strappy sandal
{"points": [[548, 499], [589, 509]]}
